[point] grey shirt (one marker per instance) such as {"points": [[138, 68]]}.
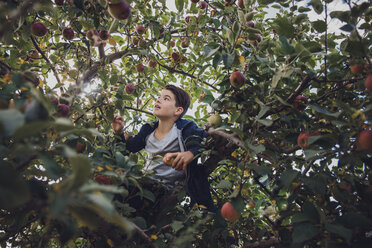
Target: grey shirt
{"points": [[156, 149]]}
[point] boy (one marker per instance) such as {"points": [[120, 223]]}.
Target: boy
{"points": [[180, 139]]}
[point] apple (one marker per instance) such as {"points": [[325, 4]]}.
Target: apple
{"points": [[175, 56], [68, 33], [54, 100], [302, 139], [187, 19], [364, 140], [59, 2], [102, 179], [241, 4], [368, 83], [140, 68], [194, 1], [152, 63], [259, 38], [34, 54], [38, 29], [140, 30], [356, 69], [130, 88], [172, 43], [91, 33], [167, 160], [203, 5], [30, 76], [185, 43], [251, 204], [142, 43], [251, 24], [80, 147], [229, 213], [119, 10], [104, 34], [237, 79], [300, 103], [215, 120], [228, 2], [63, 110]]}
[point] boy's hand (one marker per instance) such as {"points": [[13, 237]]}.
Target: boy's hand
{"points": [[180, 159], [118, 124]]}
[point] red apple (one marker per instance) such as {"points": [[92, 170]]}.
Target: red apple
{"points": [[104, 34], [259, 38], [356, 69], [140, 30], [194, 1], [237, 79], [68, 33], [30, 76], [38, 29], [130, 88], [119, 10], [172, 43], [229, 213], [368, 83], [152, 63], [91, 33], [102, 179], [187, 19], [302, 139], [251, 24], [300, 103], [175, 56], [364, 140], [80, 147], [185, 43], [251, 204], [241, 4], [140, 68], [54, 100], [59, 2], [63, 110], [142, 43], [203, 5]]}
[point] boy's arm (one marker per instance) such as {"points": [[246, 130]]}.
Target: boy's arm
{"points": [[194, 139]]}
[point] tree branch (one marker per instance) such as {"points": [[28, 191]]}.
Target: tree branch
{"points": [[271, 242], [144, 235], [46, 59], [228, 136]]}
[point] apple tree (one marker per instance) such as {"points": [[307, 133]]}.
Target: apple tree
{"points": [[285, 96]]}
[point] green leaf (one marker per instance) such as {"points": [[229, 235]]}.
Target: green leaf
{"points": [[14, 190], [224, 184], [324, 111], [176, 225], [263, 111], [81, 171], [303, 232], [209, 51], [348, 27], [319, 26], [10, 120], [30, 129], [257, 149], [309, 210], [228, 59], [265, 122], [148, 195], [52, 168], [317, 5], [286, 178], [284, 27], [286, 47], [341, 15], [236, 27], [316, 183], [340, 230]]}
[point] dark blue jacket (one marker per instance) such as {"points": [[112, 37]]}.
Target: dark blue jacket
{"points": [[196, 177]]}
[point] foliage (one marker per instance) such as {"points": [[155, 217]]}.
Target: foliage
{"points": [[66, 181]]}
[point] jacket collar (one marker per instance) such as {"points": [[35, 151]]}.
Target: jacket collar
{"points": [[180, 123]]}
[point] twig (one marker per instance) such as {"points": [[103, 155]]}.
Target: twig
{"points": [[140, 110], [94, 106], [186, 74], [144, 235], [304, 84], [4, 65], [46, 59]]}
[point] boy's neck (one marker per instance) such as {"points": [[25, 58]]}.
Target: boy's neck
{"points": [[165, 125]]}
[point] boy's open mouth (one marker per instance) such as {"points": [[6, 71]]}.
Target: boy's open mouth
{"points": [[157, 106]]}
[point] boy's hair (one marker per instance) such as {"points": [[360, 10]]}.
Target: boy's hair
{"points": [[182, 97]]}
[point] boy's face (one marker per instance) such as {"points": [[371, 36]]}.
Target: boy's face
{"points": [[165, 106]]}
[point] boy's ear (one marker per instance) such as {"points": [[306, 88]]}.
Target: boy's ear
{"points": [[179, 111]]}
